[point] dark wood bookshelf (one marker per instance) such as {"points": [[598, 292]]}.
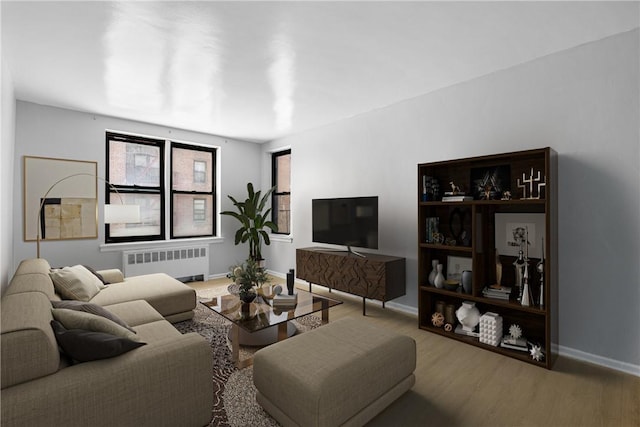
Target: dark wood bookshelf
{"points": [[538, 323]]}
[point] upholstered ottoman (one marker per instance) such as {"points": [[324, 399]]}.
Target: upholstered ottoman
{"points": [[342, 373]]}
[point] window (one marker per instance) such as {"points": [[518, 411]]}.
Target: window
{"points": [[281, 199], [199, 171], [136, 168], [199, 209], [192, 191]]}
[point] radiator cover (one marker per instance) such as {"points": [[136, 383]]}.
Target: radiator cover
{"points": [[183, 263]]}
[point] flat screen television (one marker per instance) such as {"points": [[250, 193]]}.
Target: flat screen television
{"points": [[346, 221]]}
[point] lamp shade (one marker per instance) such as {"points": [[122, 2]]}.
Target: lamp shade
{"points": [[121, 214]]}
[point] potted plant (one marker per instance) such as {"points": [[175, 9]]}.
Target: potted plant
{"points": [[253, 219], [249, 277]]}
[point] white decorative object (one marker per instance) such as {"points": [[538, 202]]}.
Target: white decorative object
{"points": [[468, 315], [536, 353], [432, 275], [438, 282], [491, 329], [515, 331]]}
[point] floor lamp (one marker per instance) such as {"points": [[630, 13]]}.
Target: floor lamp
{"points": [[113, 214]]}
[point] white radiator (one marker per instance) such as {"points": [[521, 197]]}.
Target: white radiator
{"points": [[185, 263]]}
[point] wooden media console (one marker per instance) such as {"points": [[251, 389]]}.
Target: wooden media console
{"points": [[373, 276]]}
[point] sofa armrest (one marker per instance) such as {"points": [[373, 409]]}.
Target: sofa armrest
{"points": [[168, 382], [112, 276]]}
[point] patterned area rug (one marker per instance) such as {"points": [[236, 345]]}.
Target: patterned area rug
{"points": [[234, 402]]}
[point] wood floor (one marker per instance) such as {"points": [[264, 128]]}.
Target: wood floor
{"points": [[461, 385]]}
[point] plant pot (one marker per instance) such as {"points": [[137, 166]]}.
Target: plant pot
{"points": [[247, 297]]}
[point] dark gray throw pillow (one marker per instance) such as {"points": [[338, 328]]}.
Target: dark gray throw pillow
{"points": [[85, 346], [98, 275], [88, 307]]}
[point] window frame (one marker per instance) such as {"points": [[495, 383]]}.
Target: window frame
{"points": [[136, 189], [212, 193], [276, 194]]}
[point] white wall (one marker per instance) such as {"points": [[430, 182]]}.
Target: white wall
{"points": [[60, 133], [7, 181], [582, 102]]}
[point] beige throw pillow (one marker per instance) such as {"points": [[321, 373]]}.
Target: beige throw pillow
{"points": [[76, 283], [72, 319]]}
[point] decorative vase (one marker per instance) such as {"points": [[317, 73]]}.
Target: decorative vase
{"points": [[247, 296], [498, 269], [466, 281], [432, 275], [290, 281], [468, 315], [438, 281]]}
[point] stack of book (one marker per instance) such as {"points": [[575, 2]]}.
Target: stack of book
{"points": [[497, 291], [285, 300], [457, 198], [432, 229], [519, 344]]}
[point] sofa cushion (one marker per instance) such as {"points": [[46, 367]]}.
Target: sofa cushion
{"points": [[165, 294], [84, 346], [72, 319], [32, 275], [135, 313], [88, 307], [76, 283], [29, 348]]}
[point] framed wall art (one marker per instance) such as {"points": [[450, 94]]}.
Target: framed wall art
{"points": [[490, 183], [70, 209], [512, 229], [456, 265]]}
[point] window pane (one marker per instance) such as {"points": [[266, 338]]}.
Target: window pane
{"points": [[186, 208], [192, 170], [134, 164], [282, 212], [283, 173], [150, 209]]}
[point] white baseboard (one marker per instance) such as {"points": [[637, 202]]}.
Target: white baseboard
{"points": [[625, 367]]}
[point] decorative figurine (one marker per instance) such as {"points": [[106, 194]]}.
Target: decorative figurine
{"points": [[536, 352], [506, 195], [519, 265], [498, 269], [525, 300], [455, 189], [515, 331]]}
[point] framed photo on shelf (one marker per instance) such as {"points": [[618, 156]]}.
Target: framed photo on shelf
{"points": [[513, 229], [456, 265]]}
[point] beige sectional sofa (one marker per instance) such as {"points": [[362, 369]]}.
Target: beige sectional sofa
{"points": [[165, 382]]}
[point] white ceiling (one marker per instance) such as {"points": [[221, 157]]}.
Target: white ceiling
{"points": [[262, 70]]}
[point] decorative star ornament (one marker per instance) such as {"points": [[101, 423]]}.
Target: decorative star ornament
{"points": [[536, 352], [515, 331]]}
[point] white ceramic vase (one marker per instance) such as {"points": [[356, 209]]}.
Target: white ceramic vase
{"points": [[468, 315], [438, 281], [432, 275]]}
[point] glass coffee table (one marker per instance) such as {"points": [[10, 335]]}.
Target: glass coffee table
{"points": [[257, 316]]}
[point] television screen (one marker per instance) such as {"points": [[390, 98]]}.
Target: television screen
{"points": [[347, 221]]}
